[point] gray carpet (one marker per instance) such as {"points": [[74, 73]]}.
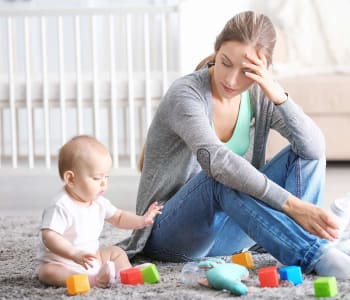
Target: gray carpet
{"points": [[18, 240]]}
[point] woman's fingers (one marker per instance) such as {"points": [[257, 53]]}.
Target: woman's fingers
{"points": [[332, 227], [257, 70], [323, 225], [324, 232], [255, 60], [262, 58], [255, 77]]}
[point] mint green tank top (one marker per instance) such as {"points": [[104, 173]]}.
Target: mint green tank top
{"points": [[240, 139]]}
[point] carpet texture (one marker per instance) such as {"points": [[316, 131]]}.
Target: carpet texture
{"points": [[18, 244]]}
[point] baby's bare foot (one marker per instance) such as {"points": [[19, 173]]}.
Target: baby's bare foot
{"points": [[106, 275]]}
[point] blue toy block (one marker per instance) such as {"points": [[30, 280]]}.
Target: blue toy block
{"points": [[325, 287], [292, 274]]}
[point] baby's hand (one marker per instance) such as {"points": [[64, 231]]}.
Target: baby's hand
{"points": [[84, 258], [151, 213]]}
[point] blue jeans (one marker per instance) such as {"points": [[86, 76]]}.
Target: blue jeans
{"points": [[207, 218]]}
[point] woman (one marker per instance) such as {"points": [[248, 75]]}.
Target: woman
{"points": [[204, 160]]}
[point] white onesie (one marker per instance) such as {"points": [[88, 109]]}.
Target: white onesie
{"points": [[80, 225]]}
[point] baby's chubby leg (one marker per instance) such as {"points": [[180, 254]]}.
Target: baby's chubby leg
{"points": [[54, 273], [115, 254], [113, 259]]}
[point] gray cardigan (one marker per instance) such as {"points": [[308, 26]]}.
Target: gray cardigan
{"points": [[181, 142]]}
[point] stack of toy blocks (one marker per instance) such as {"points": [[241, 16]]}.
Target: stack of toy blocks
{"points": [[134, 276], [325, 287], [77, 284], [245, 259]]}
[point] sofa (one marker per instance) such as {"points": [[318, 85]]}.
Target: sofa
{"points": [[312, 63], [326, 99]]}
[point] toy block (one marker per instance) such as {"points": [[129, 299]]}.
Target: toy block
{"points": [[268, 277], [325, 287], [292, 274], [245, 259], [77, 284], [150, 274], [131, 276]]}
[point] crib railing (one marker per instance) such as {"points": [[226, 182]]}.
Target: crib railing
{"points": [[83, 71]]}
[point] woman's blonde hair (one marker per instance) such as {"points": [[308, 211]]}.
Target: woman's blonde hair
{"points": [[249, 28]]}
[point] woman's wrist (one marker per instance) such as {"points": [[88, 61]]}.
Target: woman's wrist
{"points": [[290, 205], [282, 99]]}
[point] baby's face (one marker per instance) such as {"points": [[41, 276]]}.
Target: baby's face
{"points": [[91, 179]]}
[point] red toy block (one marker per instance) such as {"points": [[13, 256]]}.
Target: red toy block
{"points": [[245, 259], [268, 277], [131, 276]]}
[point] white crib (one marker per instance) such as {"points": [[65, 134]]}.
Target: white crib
{"points": [[82, 71], [90, 71]]}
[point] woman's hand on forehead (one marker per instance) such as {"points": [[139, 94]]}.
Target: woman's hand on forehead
{"points": [[259, 73]]}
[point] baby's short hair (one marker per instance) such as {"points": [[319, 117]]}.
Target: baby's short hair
{"points": [[76, 150]]}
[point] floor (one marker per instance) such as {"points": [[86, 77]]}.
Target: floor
{"points": [[21, 193]]}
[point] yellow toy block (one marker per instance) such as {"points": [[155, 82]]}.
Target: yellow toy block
{"points": [[245, 259], [77, 284]]}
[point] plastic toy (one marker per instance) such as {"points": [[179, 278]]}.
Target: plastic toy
{"points": [[268, 277], [216, 274], [325, 287], [150, 274], [292, 274], [131, 276], [77, 284], [244, 259]]}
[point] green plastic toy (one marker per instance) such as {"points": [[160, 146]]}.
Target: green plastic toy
{"points": [[150, 274], [325, 287]]}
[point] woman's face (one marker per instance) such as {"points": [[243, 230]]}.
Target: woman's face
{"points": [[229, 78]]}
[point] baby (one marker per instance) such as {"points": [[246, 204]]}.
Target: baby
{"points": [[72, 224]]}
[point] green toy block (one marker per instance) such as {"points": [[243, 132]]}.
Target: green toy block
{"points": [[325, 287], [150, 274]]}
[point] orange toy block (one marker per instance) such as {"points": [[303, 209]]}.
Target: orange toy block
{"points": [[268, 277], [245, 259], [131, 276], [77, 284]]}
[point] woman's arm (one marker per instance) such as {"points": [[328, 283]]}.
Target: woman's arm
{"points": [[288, 119], [304, 135], [307, 141]]}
